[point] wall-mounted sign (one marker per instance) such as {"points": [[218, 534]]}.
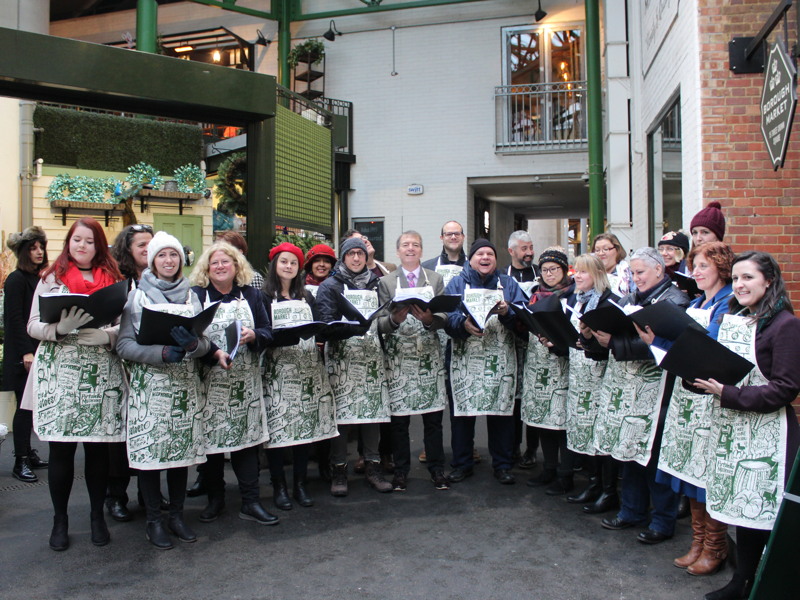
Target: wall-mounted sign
{"points": [[778, 100], [415, 189]]}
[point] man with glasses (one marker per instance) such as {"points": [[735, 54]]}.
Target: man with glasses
{"points": [[380, 269], [450, 262]]}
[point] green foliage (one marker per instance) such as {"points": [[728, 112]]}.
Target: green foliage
{"points": [[190, 179], [303, 242], [80, 188], [230, 185], [312, 49], [141, 174], [87, 140]]}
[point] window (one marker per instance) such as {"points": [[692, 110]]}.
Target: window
{"points": [[373, 229], [665, 200]]}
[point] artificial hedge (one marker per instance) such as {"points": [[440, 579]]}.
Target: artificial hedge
{"points": [[102, 142]]}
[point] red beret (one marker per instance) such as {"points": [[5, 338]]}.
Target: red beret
{"points": [[287, 247]]}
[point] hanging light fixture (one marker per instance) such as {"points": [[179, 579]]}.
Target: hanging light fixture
{"points": [[184, 47], [539, 14], [332, 32], [215, 56]]}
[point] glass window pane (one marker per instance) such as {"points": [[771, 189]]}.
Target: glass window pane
{"points": [[525, 57]]}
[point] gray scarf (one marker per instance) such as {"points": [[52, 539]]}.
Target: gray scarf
{"points": [[358, 281], [158, 291], [589, 299]]}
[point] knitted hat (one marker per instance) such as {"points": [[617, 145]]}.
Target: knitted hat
{"points": [[160, 241], [321, 250], [352, 243], [554, 255], [481, 243], [287, 247], [712, 218], [31, 234], [677, 239]]}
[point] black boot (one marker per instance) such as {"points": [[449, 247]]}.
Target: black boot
{"points": [[35, 461], [59, 537], [300, 494], [22, 470], [683, 508], [198, 487], [157, 535], [590, 494], [215, 506], [546, 477], [280, 494], [561, 486], [100, 535], [180, 529], [737, 588], [609, 499]]}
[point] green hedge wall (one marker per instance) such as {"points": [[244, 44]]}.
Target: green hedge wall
{"points": [[88, 140]]}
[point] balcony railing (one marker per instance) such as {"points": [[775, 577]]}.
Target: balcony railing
{"points": [[542, 117]]}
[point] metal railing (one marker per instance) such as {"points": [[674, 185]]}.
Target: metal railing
{"points": [[542, 117]]}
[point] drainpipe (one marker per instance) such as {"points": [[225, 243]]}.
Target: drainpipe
{"points": [[595, 119], [146, 25], [26, 143]]}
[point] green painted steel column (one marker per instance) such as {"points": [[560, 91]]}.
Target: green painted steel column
{"points": [[597, 210], [260, 191], [285, 13], [146, 25]]}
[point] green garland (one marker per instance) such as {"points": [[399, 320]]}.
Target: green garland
{"points": [[230, 185], [190, 179], [80, 188], [142, 174]]}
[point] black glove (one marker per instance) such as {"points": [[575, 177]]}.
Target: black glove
{"points": [[172, 354], [185, 338]]}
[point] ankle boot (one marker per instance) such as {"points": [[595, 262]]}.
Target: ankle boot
{"points": [[100, 535], [698, 535], [35, 461], [715, 548], [198, 487], [609, 499], [339, 480], [280, 494], [561, 486], [546, 477], [590, 494], [22, 470], [301, 495], [59, 537], [215, 506], [737, 589], [375, 478], [157, 535], [180, 529]]}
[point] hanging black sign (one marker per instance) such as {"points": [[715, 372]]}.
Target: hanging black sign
{"points": [[778, 101]]}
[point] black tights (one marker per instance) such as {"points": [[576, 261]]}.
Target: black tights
{"points": [[23, 425], [750, 544], [62, 473], [150, 486]]}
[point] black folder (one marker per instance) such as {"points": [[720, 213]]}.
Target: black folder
{"points": [[438, 304], [104, 305], [694, 355], [155, 327], [351, 313], [554, 323], [610, 319], [665, 319], [686, 282]]}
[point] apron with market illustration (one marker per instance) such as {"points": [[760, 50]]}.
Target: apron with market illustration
{"points": [[414, 366], [297, 393], [685, 441], [234, 416], [544, 387], [628, 409], [357, 372], [448, 272], [165, 408], [483, 370], [79, 392], [747, 451], [585, 383]]}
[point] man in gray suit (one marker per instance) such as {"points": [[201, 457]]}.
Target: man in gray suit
{"points": [[414, 362]]}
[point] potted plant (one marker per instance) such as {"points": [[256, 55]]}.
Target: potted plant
{"points": [[310, 51]]}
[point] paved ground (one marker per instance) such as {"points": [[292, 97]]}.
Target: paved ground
{"points": [[480, 540]]}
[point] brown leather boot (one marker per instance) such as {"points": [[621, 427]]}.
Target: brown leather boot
{"points": [[715, 549], [698, 512]]}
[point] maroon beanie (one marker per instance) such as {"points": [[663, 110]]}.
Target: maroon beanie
{"points": [[710, 217]]}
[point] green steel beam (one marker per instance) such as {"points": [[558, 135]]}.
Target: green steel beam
{"points": [[378, 8], [260, 191], [595, 123], [286, 10], [146, 25], [64, 70], [231, 5]]}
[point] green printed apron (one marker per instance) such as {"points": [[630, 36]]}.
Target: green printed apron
{"points": [[297, 393], [165, 407], [415, 367], [684, 444], [483, 371], [628, 408], [544, 387], [585, 382], [233, 415], [448, 272], [747, 452], [79, 392], [356, 370]]}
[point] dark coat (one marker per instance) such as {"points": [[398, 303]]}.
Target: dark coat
{"points": [[431, 263], [591, 347], [19, 288], [328, 302], [254, 301]]}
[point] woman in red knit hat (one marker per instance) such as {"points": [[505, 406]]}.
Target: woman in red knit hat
{"points": [[708, 225]]}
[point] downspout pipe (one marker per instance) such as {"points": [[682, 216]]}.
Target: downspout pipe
{"points": [[597, 210], [26, 175], [146, 25]]}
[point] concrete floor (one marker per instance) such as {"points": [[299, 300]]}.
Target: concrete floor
{"points": [[478, 540]]}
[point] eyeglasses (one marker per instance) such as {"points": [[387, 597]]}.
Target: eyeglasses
{"points": [[356, 252], [142, 228], [452, 234], [604, 250], [550, 270]]}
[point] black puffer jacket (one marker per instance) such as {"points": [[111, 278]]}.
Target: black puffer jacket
{"points": [[632, 347], [328, 307]]}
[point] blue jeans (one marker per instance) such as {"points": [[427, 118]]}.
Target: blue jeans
{"points": [[640, 490]]}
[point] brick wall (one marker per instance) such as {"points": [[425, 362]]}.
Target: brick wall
{"points": [[762, 206]]}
